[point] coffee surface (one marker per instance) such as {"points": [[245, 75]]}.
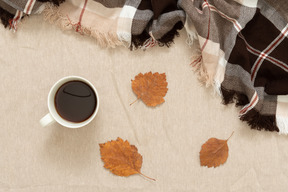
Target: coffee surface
{"points": [[75, 101]]}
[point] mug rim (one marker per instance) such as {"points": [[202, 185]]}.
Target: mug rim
{"points": [[52, 108]]}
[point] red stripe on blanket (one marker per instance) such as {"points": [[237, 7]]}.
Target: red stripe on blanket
{"points": [[262, 56], [81, 15], [269, 58], [245, 109], [29, 6], [234, 21], [208, 35]]}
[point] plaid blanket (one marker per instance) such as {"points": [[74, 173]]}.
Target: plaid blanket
{"points": [[242, 42], [136, 23], [243, 55], [12, 11]]}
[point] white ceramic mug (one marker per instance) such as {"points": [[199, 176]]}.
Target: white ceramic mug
{"points": [[53, 116]]}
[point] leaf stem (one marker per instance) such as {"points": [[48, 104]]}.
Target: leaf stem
{"points": [[230, 136], [134, 101], [146, 176]]}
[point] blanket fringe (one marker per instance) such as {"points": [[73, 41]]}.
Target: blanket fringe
{"points": [[199, 69], [168, 38], [234, 97], [14, 22], [6, 17], [254, 119], [151, 42], [52, 14], [140, 41], [260, 122]]}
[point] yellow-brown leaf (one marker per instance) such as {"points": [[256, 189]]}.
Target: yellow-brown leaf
{"points": [[150, 88], [214, 152], [121, 158]]}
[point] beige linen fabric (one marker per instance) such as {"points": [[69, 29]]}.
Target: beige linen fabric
{"points": [[169, 137]]}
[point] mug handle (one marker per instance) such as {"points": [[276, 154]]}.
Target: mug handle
{"points": [[47, 120]]}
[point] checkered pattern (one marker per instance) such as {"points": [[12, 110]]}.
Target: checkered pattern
{"points": [[243, 54], [265, 53], [19, 9], [258, 53], [113, 23]]}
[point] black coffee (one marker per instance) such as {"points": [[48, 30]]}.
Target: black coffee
{"points": [[75, 101]]}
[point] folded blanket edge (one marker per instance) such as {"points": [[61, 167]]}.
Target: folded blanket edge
{"points": [[254, 118]]}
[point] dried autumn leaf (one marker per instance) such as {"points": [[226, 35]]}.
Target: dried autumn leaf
{"points": [[214, 152], [151, 88], [121, 158]]}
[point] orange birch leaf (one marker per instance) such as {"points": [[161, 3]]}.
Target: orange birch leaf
{"points": [[214, 152], [150, 88], [121, 158]]}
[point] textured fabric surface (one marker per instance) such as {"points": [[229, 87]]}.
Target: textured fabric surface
{"points": [[26, 6], [101, 21], [136, 23], [169, 136], [243, 55], [140, 23], [12, 11], [157, 20], [242, 44]]}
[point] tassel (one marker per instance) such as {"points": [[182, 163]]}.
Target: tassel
{"points": [[168, 38], [14, 22], [259, 122], [53, 15], [151, 42]]}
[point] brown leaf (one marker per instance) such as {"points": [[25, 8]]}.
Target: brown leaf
{"points": [[151, 88], [121, 158], [214, 152]]}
